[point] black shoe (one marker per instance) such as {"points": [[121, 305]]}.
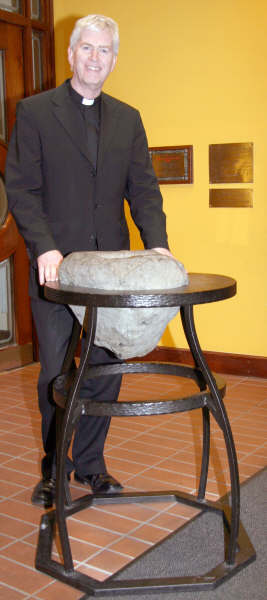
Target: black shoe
{"points": [[44, 492], [100, 483]]}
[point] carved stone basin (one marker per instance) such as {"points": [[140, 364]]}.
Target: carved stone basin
{"points": [[127, 332]]}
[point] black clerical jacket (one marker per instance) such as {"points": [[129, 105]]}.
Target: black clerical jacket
{"points": [[58, 199]]}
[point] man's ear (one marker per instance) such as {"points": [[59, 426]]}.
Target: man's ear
{"points": [[114, 62], [70, 57]]}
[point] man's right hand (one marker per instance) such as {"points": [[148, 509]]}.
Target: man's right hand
{"points": [[48, 264]]}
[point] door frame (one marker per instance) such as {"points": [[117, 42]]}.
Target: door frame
{"points": [[24, 349]]}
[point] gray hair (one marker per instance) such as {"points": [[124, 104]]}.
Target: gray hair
{"points": [[95, 23]]}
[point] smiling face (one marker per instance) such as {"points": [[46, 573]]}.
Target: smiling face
{"points": [[92, 59]]}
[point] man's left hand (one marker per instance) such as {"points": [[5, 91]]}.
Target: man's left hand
{"points": [[164, 251]]}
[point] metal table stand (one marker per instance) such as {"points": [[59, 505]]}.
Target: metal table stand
{"points": [[239, 551]]}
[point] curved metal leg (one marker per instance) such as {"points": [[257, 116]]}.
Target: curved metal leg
{"points": [[66, 434], [67, 367], [59, 426], [70, 354], [205, 454], [221, 417]]}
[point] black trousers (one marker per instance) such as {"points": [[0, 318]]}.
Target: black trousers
{"points": [[54, 324]]}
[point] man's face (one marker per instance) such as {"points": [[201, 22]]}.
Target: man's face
{"points": [[92, 60]]}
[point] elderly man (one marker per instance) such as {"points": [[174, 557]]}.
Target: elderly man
{"points": [[74, 155]]}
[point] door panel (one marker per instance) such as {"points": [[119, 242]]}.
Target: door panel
{"points": [[26, 68], [12, 80], [15, 348]]}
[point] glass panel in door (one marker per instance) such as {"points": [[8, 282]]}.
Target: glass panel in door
{"points": [[3, 128], [11, 5], [36, 10], [6, 303], [37, 61]]}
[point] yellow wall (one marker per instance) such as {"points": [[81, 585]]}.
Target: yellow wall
{"points": [[197, 71]]}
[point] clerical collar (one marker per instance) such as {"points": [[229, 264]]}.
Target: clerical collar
{"points": [[79, 99], [88, 102]]}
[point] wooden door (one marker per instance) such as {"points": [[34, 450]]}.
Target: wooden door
{"points": [[12, 81], [26, 68]]}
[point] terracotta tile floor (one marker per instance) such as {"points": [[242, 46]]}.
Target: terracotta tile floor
{"points": [[145, 453]]}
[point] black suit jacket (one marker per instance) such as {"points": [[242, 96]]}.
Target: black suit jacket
{"points": [[57, 198]]}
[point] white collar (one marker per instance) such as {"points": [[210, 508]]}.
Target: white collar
{"points": [[88, 102]]}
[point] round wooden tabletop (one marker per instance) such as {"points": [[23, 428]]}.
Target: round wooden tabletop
{"points": [[201, 289]]}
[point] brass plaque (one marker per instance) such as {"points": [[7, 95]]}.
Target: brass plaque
{"points": [[231, 198], [173, 164], [231, 163]]}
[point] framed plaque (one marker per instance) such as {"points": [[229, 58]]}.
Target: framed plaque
{"points": [[231, 163], [231, 198], [173, 164]]}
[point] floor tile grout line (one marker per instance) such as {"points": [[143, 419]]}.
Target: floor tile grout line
{"points": [[129, 534], [119, 445], [98, 569], [16, 493], [181, 487], [23, 540], [14, 589], [43, 588], [174, 454], [120, 516], [253, 430], [19, 471], [115, 532], [148, 432], [77, 539], [111, 544], [16, 562], [171, 456], [19, 456], [100, 550], [141, 472], [23, 409], [11, 456], [264, 445], [15, 519], [121, 537], [21, 435], [156, 513]]}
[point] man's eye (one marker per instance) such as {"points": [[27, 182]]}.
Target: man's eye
{"points": [[104, 50]]}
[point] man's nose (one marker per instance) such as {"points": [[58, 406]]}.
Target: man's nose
{"points": [[94, 54]]}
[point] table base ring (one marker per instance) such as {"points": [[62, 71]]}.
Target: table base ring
{"points": [[245, 553]]}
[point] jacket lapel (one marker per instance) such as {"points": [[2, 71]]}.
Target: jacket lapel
{"points": [[70, 119], [73, 124], [108, 126]]}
